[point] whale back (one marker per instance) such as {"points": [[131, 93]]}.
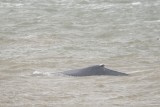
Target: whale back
{"points": [[93, 70]]}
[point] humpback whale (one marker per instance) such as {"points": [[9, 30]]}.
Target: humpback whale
{"points": [[93, 71]]}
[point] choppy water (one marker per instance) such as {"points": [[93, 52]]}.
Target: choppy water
{"points": [[40, 37]]}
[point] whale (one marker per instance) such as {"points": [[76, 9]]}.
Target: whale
{"points": [[95, 70]]}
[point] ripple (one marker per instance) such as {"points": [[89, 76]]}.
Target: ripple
{"points": [[136, 3]]}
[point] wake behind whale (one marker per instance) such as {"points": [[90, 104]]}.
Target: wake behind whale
{"points": [[93, 71]]}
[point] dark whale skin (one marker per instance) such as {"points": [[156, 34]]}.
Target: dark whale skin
{"points": [[93, 71]]}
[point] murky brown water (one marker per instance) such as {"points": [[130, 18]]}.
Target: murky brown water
{"points": [[39, 38]]}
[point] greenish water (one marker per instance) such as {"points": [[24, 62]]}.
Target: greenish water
{"points": [[41, 37]]}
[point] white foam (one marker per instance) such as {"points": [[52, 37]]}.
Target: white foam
{"points": [[38, 73]]}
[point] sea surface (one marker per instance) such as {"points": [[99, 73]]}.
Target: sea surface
{"points": [[41, 37]]}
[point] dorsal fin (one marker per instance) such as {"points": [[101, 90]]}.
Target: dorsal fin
{"points": [[101, 65]]}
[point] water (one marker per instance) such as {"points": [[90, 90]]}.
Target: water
{"points": [[41, 37]]}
